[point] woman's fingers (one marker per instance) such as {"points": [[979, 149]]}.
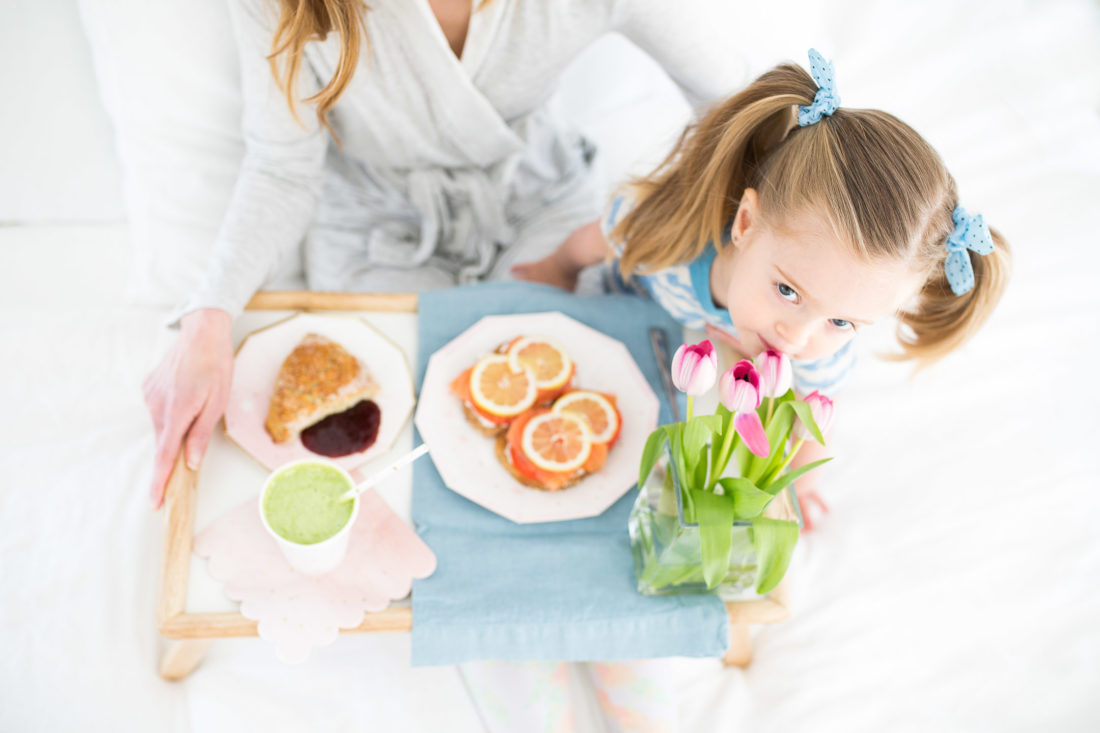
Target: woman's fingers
{"points": [[169, 442], [198, 437]]}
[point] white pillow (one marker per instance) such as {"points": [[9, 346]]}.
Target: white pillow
{"points": [[168, 76]]}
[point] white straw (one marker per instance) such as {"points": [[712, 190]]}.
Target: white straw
{"points": [[386, 472]]}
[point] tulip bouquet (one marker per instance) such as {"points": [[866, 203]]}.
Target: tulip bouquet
{"points": [[700, 526]]}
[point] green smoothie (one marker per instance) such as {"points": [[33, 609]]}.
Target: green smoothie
{"points": [[302, 503]]}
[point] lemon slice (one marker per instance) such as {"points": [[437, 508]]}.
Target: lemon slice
{"points": [[498, 389], [549, 362], [556, 442], [595, 409]]}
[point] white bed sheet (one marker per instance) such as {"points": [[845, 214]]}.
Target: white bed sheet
{"points": [[953, 586]]}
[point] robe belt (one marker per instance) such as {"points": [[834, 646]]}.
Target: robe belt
{"points": [[461, 218]]}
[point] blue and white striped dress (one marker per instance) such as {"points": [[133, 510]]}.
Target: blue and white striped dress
{"points": [[684, 291]]}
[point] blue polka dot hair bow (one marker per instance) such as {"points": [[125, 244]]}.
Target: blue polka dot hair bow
{"points": [[971, 232], [827, 99]]}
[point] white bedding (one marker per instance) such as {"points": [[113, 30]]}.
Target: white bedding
{"points": [[953, 586]]}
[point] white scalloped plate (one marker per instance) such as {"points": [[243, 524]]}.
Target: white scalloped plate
{"points": [[262, 353], [466, 459]]}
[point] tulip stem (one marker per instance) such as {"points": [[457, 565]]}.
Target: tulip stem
{"points": [[772, 475], [771, 404], [691, 399]]}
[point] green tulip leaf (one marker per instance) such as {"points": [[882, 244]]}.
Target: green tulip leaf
{"points": [[714, 513], [689, 504], [702, 468], [727, 416], [748, 500], [654, 445], [693, 446], [774, 541], [783, 481], [676, 449], [762, 411], [806, 415], [741, 456], [777, 430], [713, 423]]}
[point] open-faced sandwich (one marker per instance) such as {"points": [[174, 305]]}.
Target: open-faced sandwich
{"points": [[318, 380], [523, 373], [554, 448], [549, 436]]}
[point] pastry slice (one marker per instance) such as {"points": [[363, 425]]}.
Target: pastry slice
{"points": [[319, 378]]}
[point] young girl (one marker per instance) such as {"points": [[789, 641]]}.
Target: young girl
{"points": [[781, 220]]}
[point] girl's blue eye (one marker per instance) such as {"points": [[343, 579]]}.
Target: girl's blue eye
{"points": [[787, 292], [840, 323]]}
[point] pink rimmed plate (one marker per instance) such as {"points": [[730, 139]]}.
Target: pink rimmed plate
{"points": [[466, 459], [262, 353]]}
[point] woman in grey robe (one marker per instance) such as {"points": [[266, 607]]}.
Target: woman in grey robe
{"points": [[446, 166]]}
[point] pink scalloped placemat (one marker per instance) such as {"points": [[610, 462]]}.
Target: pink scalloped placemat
{"points": [[298, 612]]}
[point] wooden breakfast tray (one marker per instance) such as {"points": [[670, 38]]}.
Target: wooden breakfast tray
{"points": [[193, 632]]}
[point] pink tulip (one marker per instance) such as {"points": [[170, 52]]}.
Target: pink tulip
{"points": [[822, 409], [694, 367], [775, 372], [739, 387], [739, 390]]}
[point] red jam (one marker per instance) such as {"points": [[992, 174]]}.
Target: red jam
{"points": [[351, 431]]}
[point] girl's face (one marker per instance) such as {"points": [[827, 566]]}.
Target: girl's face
{"points": [[799, 290]]}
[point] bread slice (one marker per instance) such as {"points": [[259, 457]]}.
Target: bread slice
{"points": [[319, 378], [480, 424]]}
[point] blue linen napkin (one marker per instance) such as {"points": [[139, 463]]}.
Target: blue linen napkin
{"points": [[556, 590]]}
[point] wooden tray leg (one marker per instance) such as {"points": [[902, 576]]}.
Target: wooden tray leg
{"points": [[181, 657], [739, 653]]}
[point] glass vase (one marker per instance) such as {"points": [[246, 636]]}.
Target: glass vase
{"points": [[666, 548]]}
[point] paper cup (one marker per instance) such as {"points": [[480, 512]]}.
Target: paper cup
{"points": [[319, 557]]}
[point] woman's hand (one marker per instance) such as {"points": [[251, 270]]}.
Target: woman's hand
{"points": [[188, 391]]}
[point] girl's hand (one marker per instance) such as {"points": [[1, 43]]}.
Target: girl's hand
{"points": [[808, 495], [188, 391]]}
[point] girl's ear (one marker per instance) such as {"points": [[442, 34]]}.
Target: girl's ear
{"points": [[745, 218]]}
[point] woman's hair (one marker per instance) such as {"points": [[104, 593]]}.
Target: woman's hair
{"points": [[881, 187], [301, 21]]}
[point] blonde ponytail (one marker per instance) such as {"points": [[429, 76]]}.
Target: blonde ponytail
{"points": [[941, 321], [692, 196], [301, 21]]}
